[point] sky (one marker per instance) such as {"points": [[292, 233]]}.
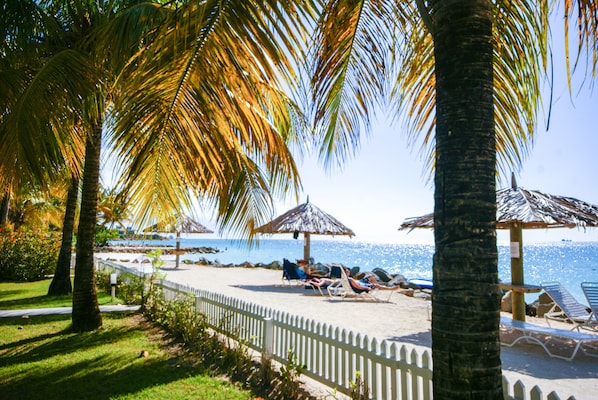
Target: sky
{"points": [[386, 181]]}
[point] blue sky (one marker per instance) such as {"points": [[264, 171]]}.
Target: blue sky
{"points": [[386, 182]]}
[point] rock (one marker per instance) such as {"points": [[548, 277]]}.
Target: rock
{"points": [[506, 304]]}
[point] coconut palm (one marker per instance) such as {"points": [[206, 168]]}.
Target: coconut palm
{"points": [[61, 281], [466, 75], [201, 113], [199, 110]]}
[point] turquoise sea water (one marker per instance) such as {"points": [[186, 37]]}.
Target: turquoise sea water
{"points": [[567, 262]]}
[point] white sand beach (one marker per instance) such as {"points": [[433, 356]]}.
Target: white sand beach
{"points": [[404, 319]]}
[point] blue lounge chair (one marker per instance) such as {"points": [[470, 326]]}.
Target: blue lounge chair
{"points": [[566, 308], [291, 273]]}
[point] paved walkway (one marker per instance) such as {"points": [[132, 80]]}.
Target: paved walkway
{"points": [[59, 310]]}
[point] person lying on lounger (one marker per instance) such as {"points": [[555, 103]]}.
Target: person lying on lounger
{"points": [[323, 282], [369, 282]]}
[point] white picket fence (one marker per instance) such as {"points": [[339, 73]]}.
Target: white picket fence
{"points": [[332, 356]]}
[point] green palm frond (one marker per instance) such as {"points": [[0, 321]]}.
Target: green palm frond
{"points": [[348, 78], [585, 16], [40, 130], [520, 64], [201, 111]]}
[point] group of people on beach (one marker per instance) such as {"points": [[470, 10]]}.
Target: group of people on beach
{"points": [[324, 275], [365, 284]]}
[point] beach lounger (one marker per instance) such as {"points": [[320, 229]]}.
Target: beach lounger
{"points": [[542, 335], [292, 274], [345, 288], [566, 308], [590, 289]]}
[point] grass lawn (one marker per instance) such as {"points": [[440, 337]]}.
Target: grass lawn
{"points": [[41, 359]]}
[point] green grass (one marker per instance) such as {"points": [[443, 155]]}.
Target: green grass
{"points": [[14, 296], [41, 359]]}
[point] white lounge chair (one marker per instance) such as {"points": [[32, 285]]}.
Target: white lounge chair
{"points": [[566, 308], [590, 289], [542, 335], [344, 288]]}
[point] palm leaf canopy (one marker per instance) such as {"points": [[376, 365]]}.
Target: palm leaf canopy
{"points": [[306, 218], [532, 208], [178, 225]]}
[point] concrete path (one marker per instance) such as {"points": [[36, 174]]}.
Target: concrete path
{"points": [[59, 310]]}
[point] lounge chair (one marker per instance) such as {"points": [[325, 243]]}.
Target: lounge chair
{"points": [[566, 308], [590, 289], [291, 273], [346, 287], [320, 284], [544, 336]]}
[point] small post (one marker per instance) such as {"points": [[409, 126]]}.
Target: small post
{"points": [[268, 340], [113, 286]]}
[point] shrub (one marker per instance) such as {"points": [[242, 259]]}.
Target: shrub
{"points": [[27, 255], [105, 235]]}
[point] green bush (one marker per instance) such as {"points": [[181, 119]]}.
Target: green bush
{"points": [[105, 235], [27, 255]]}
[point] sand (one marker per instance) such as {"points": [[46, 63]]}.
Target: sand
{"points": [[404, 320]]}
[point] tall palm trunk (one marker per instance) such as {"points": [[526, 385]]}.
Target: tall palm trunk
{"points": [[4, 207], [465, 302], [86, 312], [61, 282]]}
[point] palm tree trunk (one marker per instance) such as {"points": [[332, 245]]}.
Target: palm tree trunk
{"points": [[4, 206], [61, 282], [465, 302], [86, 312]]}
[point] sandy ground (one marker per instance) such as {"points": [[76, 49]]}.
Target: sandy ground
{"points": [[404, 320]]}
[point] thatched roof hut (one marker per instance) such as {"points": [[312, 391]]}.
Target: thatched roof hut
{"points": [[307, 219], [531, 208], [519, 209], [178, 225]]}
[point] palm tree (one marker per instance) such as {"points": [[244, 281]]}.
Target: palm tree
{"points": [[199, 111], [61, 281], [467, 73]]}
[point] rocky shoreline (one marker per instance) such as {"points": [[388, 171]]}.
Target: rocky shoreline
{"points": [[164, 249], [170, 250]]}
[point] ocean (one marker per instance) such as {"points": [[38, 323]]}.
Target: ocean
{"points": [[567, 262]]}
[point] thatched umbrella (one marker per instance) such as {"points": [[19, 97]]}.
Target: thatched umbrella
{"points": [[178, 225], [307, 219], [519, 209]]}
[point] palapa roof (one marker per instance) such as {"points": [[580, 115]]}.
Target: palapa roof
{"points": [[532, 208], [181, 225], [306, 218]]}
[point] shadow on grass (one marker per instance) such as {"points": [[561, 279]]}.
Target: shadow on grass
{"points": [[93, 365], [37, 302], [62, 341]]}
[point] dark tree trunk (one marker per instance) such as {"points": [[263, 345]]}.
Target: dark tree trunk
{"points": [[86, 312], [4, 206], [61, 283], [465, 300]]}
